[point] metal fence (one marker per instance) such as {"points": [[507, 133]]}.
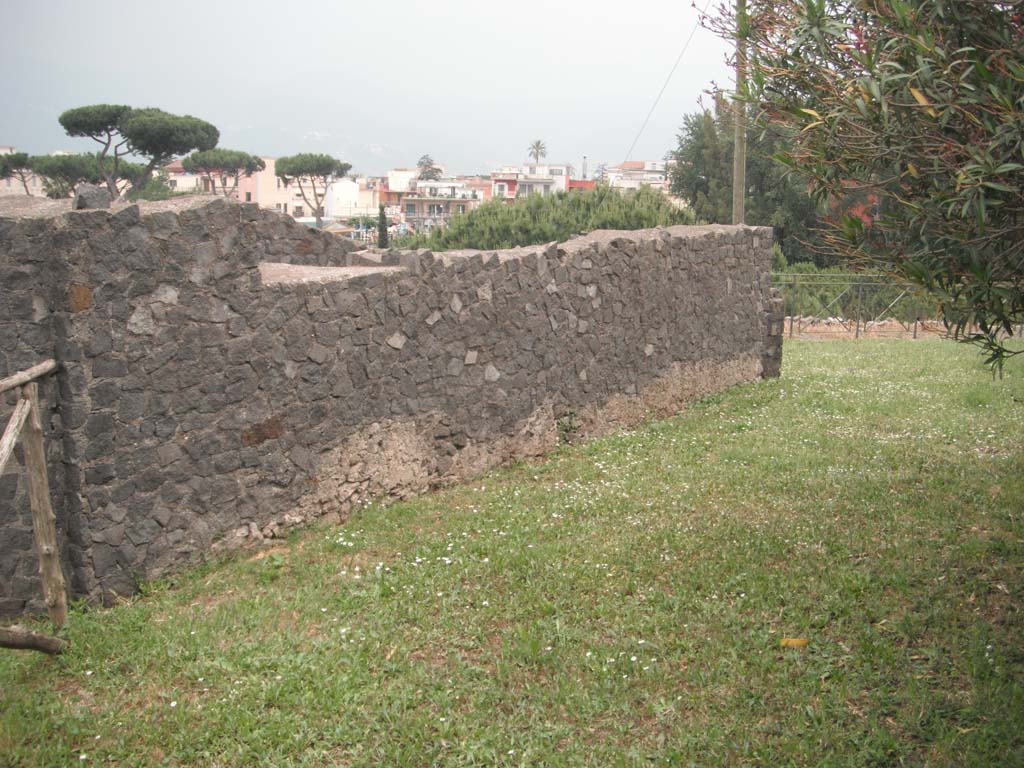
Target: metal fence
{"points": [[832, 305]]}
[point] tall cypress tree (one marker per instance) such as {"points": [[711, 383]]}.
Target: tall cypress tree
{"points": [[382, 228]]}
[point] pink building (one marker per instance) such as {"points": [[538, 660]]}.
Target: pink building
{"points": [[268, 191]]}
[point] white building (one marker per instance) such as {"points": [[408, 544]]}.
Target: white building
{"points": [[634, 174], [401, 179], [349, 198], [531, 179], [181, 180]]}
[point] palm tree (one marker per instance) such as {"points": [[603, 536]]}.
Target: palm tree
{"points": [[537, 150]]}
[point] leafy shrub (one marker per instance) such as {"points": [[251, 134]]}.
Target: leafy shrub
{"points": [[539, 219]]}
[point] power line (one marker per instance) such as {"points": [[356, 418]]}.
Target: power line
{"points": [[667, 80]]}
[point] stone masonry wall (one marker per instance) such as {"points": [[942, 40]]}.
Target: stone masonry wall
{"points": [[209, 395]]}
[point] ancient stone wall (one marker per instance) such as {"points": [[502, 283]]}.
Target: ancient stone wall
{"points": [[210, 395]]}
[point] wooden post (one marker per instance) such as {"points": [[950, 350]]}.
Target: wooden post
{"points": [[10, 436], [860, 289], [29, 374], [739, 158], [796, 301], [19, 637], [44, 524]]}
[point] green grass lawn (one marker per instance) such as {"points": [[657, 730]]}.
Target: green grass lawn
{"points": [[622, 603]]}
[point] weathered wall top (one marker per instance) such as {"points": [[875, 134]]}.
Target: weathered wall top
{"points": [[29, 207]]}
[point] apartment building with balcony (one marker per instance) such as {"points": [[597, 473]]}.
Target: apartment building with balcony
{"points": [[426, 204], [514, 181]]}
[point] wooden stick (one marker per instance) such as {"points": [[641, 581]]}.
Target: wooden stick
{"points": [[10, 437], [19, 637], [44, 524], [23, 377]]}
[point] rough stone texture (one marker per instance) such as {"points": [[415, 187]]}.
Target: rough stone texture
{"points": [[210, 396], [90, 196]]}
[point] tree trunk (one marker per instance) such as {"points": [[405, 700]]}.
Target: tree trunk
{"points": [[147, 172], [112, 186]]}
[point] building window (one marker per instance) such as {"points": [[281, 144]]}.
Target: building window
{"points": [[298, 211], [286, 207], [557, 172], [461, 209], [248, 197], [501, 189], [173, 183], [531, 169], [277, 206], [410, 209]]}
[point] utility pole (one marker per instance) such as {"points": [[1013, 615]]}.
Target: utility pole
{"points": [[739, 160]]}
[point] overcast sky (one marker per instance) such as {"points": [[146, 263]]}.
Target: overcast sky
{"points": [[376, 84]]}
